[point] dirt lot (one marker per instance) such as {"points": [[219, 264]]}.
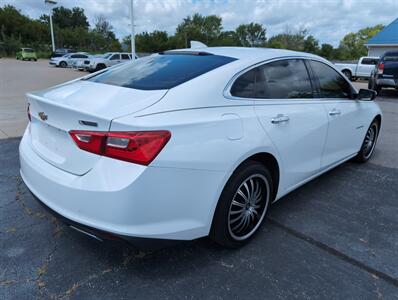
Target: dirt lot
{"points": [[334, 238]]}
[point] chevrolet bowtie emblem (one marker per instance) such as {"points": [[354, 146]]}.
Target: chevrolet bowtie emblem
{"points": [[43, 116]]}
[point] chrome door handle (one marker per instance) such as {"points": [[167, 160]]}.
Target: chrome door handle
{"points": [[334, 112], [280, 118]]}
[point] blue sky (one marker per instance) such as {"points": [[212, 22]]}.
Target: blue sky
{"points": [[327, 20]]}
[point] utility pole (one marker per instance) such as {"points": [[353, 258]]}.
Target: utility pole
{"points": [[51, 2], [132, 36]]}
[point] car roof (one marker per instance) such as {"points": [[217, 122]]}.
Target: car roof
{"points": [[246, 53]]}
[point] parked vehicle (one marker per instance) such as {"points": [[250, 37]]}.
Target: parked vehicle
{"points": [[362, 69], [107, 60], [61, 52], [185, 144], [26, 54], [385, 74], [68, 59]]}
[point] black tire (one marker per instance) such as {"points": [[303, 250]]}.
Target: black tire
{"points": [[373, 86], [369, 142], [63, 64], [223, 230], [100, 67], [347, 74], [35, 59]]}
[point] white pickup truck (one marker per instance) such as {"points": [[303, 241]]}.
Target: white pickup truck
{"points": [[362, 69]]}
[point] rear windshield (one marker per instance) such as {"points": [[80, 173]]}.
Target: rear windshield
{"points": [[28, 50], [390, 56], [163, 71]]}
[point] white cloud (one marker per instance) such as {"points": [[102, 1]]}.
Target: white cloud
{"points": [[327, 20]]}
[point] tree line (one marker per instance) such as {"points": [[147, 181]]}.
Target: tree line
{"points": [[72, 30]]}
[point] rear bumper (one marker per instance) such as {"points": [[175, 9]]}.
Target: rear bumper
{"points": [[125, 199], [386, 82], [100, 235]]}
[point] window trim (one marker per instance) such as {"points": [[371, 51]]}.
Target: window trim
{"points": [[110, 58], [316, 96]]}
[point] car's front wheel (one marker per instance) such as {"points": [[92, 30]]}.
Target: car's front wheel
{"points": [[63, 64], [243, 205], [369, 142]]}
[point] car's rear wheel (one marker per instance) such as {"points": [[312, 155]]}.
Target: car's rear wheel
{"points": [[100, 67], [373, 86], [243, 205], [63, 64], [369, 143], [347, 74]]}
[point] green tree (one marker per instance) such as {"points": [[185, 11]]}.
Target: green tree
{"points": [[311, 45], [352, 46], [156, 41], [326, 51], [251, 35], [292, 40], [205, 29]]}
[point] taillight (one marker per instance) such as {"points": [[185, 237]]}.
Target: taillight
{"points": [[28, 110], [380, 68], [139, 147]]}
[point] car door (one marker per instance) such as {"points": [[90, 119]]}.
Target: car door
{"points": [[72, 58], [114, 59], [294, 121], [346, 115]]}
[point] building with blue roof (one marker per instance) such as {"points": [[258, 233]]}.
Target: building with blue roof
{"points": [[385, 40]]}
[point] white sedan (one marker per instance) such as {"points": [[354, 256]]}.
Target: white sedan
{"points": [[68, 59], [190, 143]]}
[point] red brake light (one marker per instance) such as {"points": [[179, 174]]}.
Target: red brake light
{"points": [[28, 110], [380, 68], [139, 147]]}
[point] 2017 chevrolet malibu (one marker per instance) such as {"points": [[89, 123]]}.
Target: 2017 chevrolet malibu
{"points": [[185, 144]]}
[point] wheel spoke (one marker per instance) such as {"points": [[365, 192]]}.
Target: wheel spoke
{"points": [[241, 215], [252, 189], [234, 212], [240, 193], [248, 206], [234, 202], [239, 224], [247, 189]]}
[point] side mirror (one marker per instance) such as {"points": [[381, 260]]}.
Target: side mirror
{"points": [[366, 95]]}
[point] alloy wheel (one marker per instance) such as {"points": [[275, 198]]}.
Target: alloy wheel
{"points": [[248, 207], [370, 140]]}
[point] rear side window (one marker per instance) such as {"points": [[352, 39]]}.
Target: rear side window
{"points": [[163, 71], [284, 79], [369, 61], [331, 83], [391, 58], [244, 85], [125, 56]]}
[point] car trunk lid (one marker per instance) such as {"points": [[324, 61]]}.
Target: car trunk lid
{"points": [[79, 105]]}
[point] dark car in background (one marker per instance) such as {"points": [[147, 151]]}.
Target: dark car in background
{"points": [[61, 52], [385, 74]]}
